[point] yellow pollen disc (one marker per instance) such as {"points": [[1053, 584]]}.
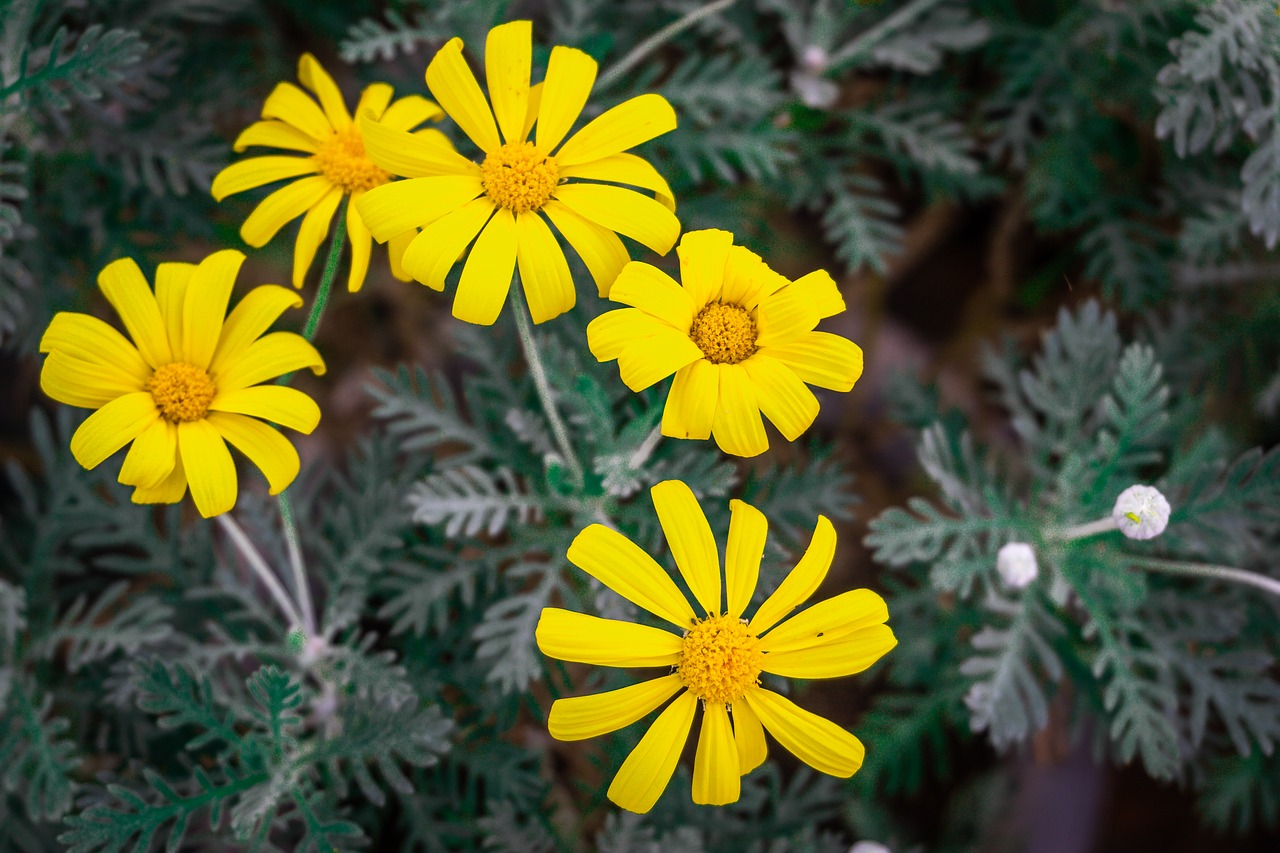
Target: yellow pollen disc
{"points": [[726, 334], [342, 160], [519, 177], [720, 659], [182, 392]]}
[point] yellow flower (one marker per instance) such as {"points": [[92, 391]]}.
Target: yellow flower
{"points": [[188, 383], [504, 198], [335, 165], [717, 658], [738, 336]]}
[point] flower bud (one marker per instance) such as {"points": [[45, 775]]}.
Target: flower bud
{"points": [[1141, 512], [1016, 563], [869, 847]]}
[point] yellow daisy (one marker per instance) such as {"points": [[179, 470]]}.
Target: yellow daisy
{"points": [[521, 185], [717, 657], [188, 383], [738, 336], [334, 165]]}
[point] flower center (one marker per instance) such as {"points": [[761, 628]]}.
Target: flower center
{"points": [[720, 659], [342, 160], [519, 177], [726, 334], [182, 392]]}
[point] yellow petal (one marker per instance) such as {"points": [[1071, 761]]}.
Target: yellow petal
{"points": [[625, 169], [644, 362], [293, 106], [610, 333], [647, 770], [396, 247], [508, 56], [257, 171], [703, 255], [827, 620], [648, 288], [738, 429], [434, 251], [625, 211], [168, 492], [171, 295], [582, 717], [410, 111], [847, 655], [822, 359], [748, 279], [315, 78], [600, 249], [361, 247], [748, 734], [205, 305], [275, 134], [88, 384], [801, 582], [266, 448], [625, 568], [276, 403], [90, 339], [544, 272], [691, 541], [314, 228], [531, 114], [691, 405], [570, 76], [486, 276], [716, 779], [152, 455], [582, 638], [112, 427], [820, 290], [784, 399], [816, 741], [284, 205], [748, 529], [785, 316], [268, 357], [456, 90], [394, 208], [374, 99], [614, 131], [254, 314], [209, 467], [413, 155]]}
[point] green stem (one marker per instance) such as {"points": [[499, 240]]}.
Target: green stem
{"points": [[863, 44], [294, 544], [657, 40], [259, 566], [1204, 570], [531, 356], [330, 271]]}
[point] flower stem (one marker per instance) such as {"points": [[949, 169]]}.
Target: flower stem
{"points": [[259, 566], [1204, 570], [330, 272], [294, 545], [1080, 531], [661, 37], [539, 374], [865, 43]]}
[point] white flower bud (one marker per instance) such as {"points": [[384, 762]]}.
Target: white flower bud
{"points": [[1016, 563], [1141, 512], [869, 847], [814, 59]]}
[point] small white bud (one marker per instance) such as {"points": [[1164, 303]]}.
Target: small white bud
{"points": [[1141, 512], [869, 847], [814, 59], [1016, 563]]}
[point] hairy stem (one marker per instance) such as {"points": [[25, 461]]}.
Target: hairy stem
{"points": [[531, 356], [294, 545], [330, 272], [1080, 531], [259, 566], [1205, 570], [862, 45], [658, 39]]}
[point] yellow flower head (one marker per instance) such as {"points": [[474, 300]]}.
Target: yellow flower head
{"points": [[189, 382], [521, 185], [717, 657], [738, 336], [332, 163]]}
